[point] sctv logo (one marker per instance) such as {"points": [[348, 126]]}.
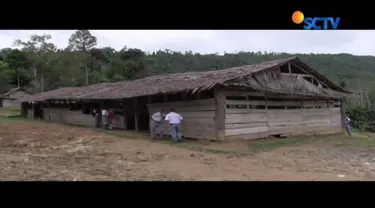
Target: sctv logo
{"points": [[315, 23]]}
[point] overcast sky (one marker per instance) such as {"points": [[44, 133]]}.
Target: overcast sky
{"points": [[359, 42]]}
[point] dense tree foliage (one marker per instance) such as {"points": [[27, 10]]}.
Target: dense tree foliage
{"points": [[80, 63], [37, 62]]}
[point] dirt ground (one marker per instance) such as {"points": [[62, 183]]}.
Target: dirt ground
{"points": [[32, 150]]}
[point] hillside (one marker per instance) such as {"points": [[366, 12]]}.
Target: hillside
{"points": [[41, 64]]}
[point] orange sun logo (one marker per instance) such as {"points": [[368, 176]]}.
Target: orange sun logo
{"points": [[298, 17]]}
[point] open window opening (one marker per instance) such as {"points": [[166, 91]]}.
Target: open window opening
{"points": [[206, 94]]}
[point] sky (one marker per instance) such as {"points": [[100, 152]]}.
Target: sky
{"points": [[360, 42]]}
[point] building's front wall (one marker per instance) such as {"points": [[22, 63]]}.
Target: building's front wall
{"points": [[199, 117], [256, 117]]}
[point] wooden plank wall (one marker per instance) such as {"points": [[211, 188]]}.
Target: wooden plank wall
{"points": [[64, 115], [199, 117], [306, 117]]}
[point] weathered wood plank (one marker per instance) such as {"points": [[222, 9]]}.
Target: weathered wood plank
{"points": [[242, 131], [179, 109], [219, 114], [284, 103], [245, 110], [245, 102], [281, 112], [247, 136], [245, 125], [183, 103], [202, 114], [245, 118]]}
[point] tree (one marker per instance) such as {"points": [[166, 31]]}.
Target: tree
{"points": [[18, 65], [37, 47], [82, 40]]}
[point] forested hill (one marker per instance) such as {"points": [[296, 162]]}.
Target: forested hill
{"points": [[40, 63]]}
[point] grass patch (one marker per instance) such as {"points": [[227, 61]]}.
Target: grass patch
{"points": [[355, 142], [10, 111], [269, 144], [202, 149]]}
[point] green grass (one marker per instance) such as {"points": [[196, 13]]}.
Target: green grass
{"points": [[10, 111], [269, 144]]}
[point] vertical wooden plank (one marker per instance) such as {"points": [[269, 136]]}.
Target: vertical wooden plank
{"points": [[41, 113], [266, 107], [125, 116], [136, 114], [342, 112], [149, 101], [22, 110], [290, 68], [49, 109], [33, 110], [220, 114]]}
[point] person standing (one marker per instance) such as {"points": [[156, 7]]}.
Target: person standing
{"points": [[111, 118], [96, 115], [105, 118], [156, 123], [174, 119], [347, 126]]}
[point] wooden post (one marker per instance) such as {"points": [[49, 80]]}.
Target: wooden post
{"points": [[149, 101], [49, 109], [136, 114], [198, 95], [290, 68], [34, 104], [165, 98], [220, 114], [266, 108], [342, 112], [125, 115]]}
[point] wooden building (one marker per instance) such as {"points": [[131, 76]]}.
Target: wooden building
{"points": [[282, 97], [12, 99]]}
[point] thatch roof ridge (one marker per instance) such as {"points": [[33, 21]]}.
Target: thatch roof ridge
{"points": [[176, 82]]}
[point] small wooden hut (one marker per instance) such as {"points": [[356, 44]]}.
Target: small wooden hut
{"points": [[12, 99], [282, 97]]}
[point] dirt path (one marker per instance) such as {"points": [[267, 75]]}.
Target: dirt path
{"points": [[40, 151]]}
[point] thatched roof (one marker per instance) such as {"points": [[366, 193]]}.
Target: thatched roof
{"points": [[15, 90], [258, 76]]}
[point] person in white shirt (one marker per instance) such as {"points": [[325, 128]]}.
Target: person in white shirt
{"points": [[174, 119], [105, 118], [347, 126], [155, 123]]}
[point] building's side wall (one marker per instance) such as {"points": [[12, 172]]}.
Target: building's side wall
{"points": [[64, 115], [10, 103], [251, 119], [199, 117], [7, 103]]}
